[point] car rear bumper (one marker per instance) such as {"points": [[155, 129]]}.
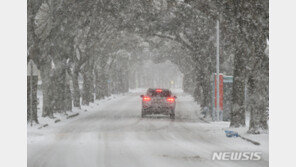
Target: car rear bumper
{"points": [[158, 110]]}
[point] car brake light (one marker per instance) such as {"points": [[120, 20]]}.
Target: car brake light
{"points": [[158, 90], [171, 99], [146, 98]]}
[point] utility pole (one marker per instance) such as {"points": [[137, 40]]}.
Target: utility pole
{"points": [[218, 74]]}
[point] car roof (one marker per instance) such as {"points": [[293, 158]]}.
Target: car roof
{"points": [[158, 88]]}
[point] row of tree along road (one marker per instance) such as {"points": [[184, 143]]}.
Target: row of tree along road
{"points": [[102, 41]]}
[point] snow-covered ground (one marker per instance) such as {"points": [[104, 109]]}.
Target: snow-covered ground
{"points": [[112, 133]]}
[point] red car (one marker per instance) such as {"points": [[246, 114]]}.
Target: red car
{"points": [[158, 101]]}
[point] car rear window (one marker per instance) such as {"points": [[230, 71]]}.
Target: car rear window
{"points": [[163, 93]]}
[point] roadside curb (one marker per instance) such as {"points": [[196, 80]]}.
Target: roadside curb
{"points": [[235, 134], [43, 126], [73, 115], [57, 120], [66, 116]]}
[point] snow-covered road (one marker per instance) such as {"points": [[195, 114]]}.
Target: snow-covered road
{"points": [[116, 136]]}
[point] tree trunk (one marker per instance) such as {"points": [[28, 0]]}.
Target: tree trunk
{"points": [[106, 84], [126, 82], [47, 91], [237, 115], [206, 94], [91, 76], [32, 99], [59, 80], [92, 87], [68, 93], [100, 87], [97, 84], [99, 92], [68, 100], [86, 89], [76, 90], [259, 89], [88, 84], [258, 107]]}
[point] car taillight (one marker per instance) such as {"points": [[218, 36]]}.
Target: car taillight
{"points": [[171, 99], [146, 98]]}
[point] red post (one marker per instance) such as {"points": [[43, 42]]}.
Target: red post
{"points": [[220, 92]]}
